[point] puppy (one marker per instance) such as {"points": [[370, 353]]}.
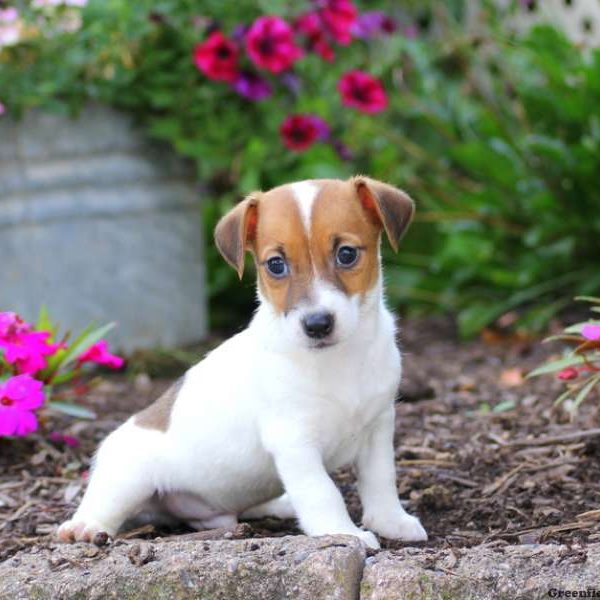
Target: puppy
{"points": [[256, 427]]}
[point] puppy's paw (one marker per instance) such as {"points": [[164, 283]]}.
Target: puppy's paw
{"points": [[401, 527], [368, 539], [77, 530]]}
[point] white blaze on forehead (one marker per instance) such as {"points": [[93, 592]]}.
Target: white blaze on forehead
{"points": [[305, 193]]}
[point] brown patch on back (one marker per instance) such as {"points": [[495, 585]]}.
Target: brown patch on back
{"points": [[338, 219], [158, 414], [280, 231]]}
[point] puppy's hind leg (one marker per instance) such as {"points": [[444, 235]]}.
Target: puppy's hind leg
{"points": [[121, 481], [279, 507]]}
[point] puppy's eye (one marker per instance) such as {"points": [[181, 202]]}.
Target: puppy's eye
{"points": [[277, 267], [346, 256]]}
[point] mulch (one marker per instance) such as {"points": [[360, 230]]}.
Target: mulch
{"points": [[483, 455]]}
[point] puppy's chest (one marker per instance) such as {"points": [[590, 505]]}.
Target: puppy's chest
{"points": [[348, 403]]}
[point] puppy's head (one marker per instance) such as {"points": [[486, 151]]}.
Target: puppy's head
{"points": [[316, 248]]}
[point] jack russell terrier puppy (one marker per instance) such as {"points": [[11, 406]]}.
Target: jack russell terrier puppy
{"points": [[256, 427]]}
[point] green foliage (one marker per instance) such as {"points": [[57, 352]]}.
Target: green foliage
{"points": [[497, 139]]}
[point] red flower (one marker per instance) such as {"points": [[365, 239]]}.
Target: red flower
{"points": [[362, 91], [568, 373], [217, 57], [270, 44], [300, 132], [338, 17], [311, 27]]}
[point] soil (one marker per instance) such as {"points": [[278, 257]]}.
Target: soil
{"points": [[483, 455]]}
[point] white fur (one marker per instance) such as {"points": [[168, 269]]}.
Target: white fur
{"points": [[262, 414], [305, 193]]}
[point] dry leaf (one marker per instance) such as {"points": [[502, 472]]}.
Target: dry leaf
{"points": [[512, 377]]}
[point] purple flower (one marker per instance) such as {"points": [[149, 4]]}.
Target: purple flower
{"points": [[342, 150], [322, 128], [239, 33], [292, 82], [252, 86], [372, 24]]}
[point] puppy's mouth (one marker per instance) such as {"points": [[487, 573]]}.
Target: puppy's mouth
{"points": [[322, 344]]}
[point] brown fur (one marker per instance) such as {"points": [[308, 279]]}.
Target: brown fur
{"points": [[352, 212], [158, 414]]}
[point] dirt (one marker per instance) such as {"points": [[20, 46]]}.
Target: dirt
{"points": [[483, 456]]}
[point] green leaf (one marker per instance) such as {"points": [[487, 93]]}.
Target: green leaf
{"points": [[563, 363], [594, 299], [83, 342], [504, 406], [43, 322], [585, 390], [73, 410]]}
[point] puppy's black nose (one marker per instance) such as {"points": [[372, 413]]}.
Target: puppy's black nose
{"points": [[318, 325]]}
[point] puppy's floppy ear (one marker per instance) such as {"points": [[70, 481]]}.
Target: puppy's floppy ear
{"points": [[236, 231], [385, 205]]}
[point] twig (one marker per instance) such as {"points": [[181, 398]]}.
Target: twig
{"points": [[556, 439], [503, 481]]}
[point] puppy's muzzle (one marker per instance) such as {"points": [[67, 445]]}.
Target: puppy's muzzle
{"points": [[318, 325]]}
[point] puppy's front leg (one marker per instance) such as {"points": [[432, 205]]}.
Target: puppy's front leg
{"points": [[318, 503], [383, 512]]}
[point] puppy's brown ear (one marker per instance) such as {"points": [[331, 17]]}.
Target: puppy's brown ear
{"points": [[236, 231], [390, 208]]}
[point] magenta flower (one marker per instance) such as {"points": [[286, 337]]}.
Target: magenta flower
{"points": [[252, 86], [19, 397], [217, 57], [311, 27], [98, 353], [300, 132], [28, 351], [270, 44], [591, 331], [362, 91], [338, 17]]}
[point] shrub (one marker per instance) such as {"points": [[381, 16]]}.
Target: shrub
{"points": [[496, 138]]}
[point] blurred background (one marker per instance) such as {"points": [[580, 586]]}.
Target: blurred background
{"points": [[128, 128]]}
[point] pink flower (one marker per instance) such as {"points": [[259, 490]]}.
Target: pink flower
{"points": [[8, 15], [98, 353], [270, 44], [591, 331], [338, 17], [300, 132], [362, 91], [2, 109], [217, 57], [311, 27], [11, 324], [28, 351], [19, 397], [568, 373]]}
